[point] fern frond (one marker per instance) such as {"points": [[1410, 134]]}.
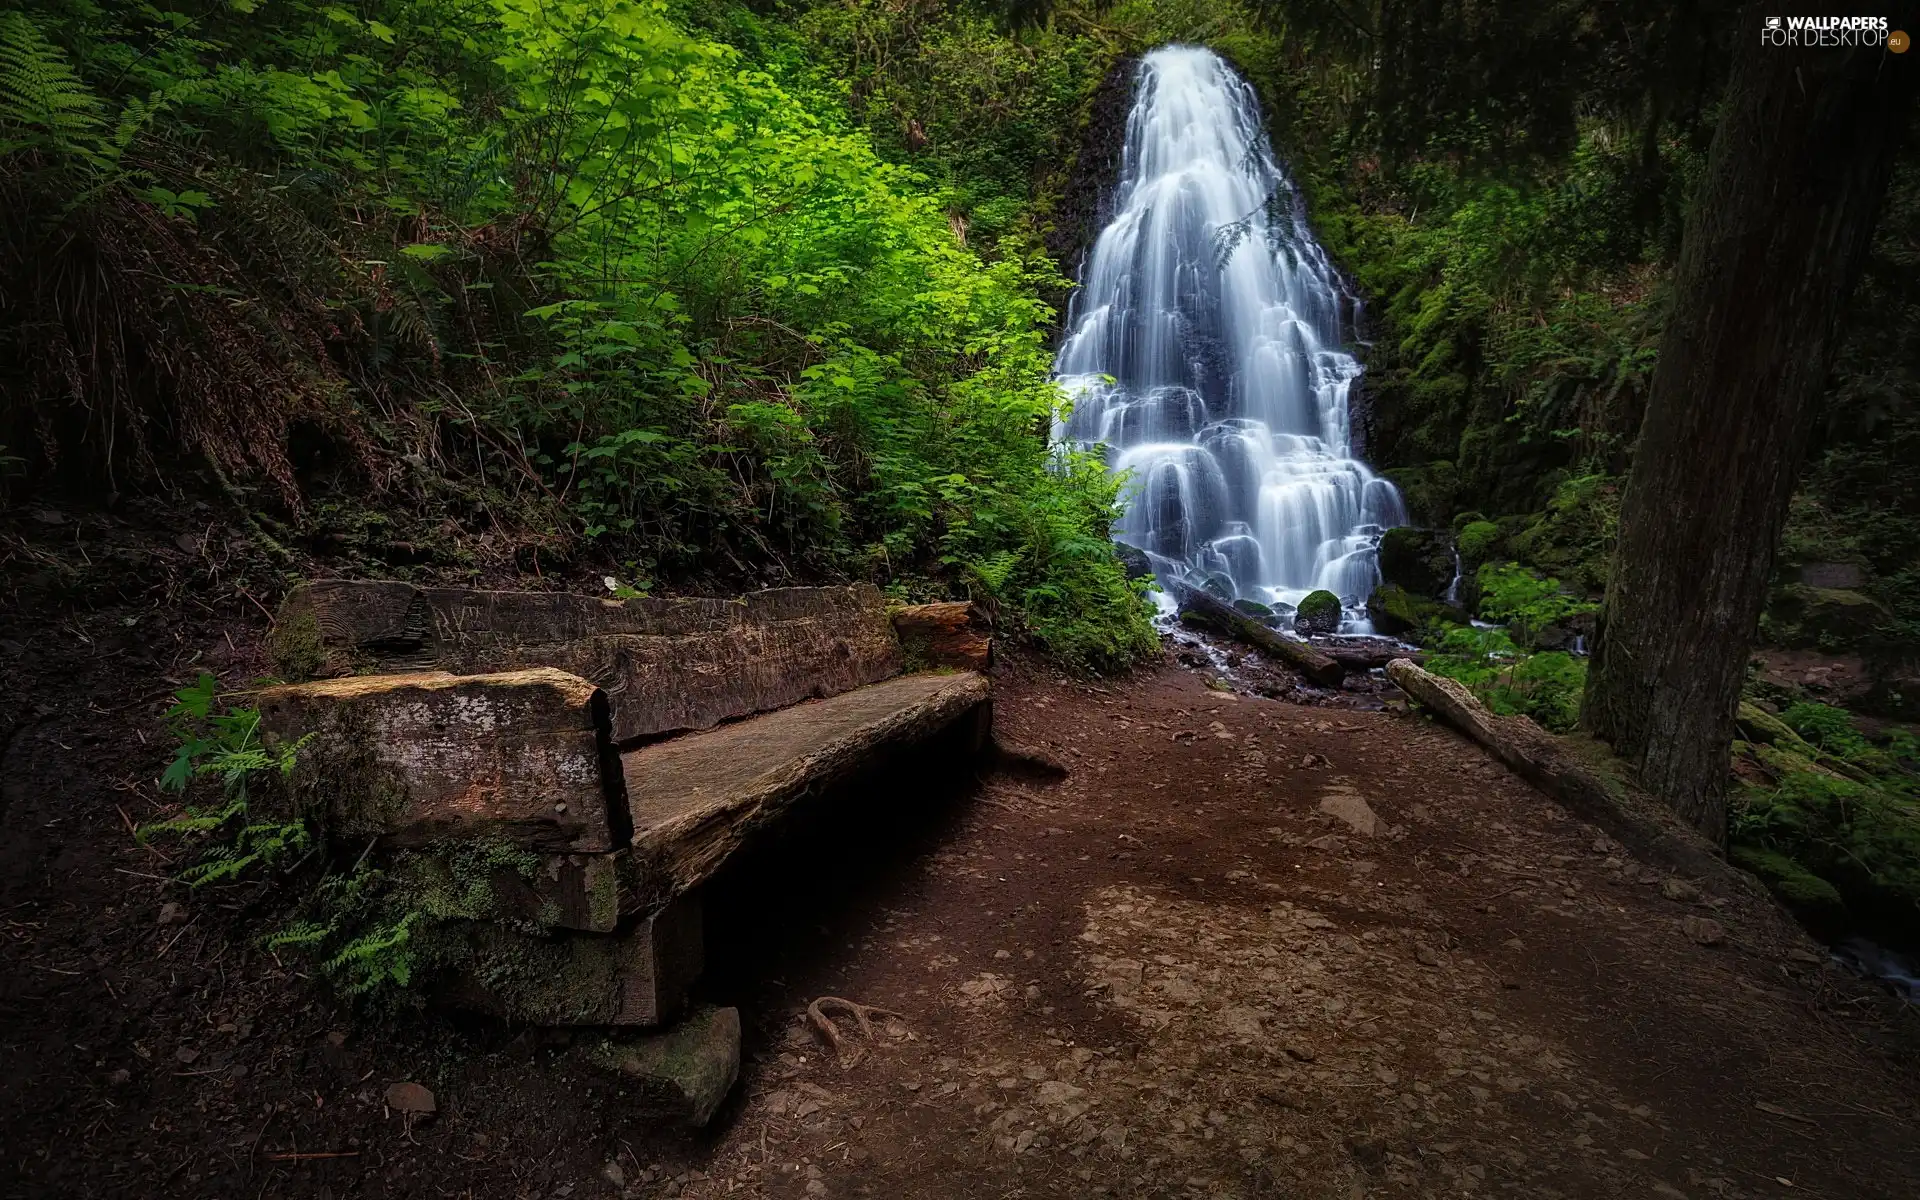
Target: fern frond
{"points": [[43, 102]]}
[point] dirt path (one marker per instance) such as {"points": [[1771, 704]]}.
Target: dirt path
{"points": [[1185, 971], [1248, 948]]}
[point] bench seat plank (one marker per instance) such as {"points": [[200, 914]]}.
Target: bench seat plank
{"points": [[695, 799]]}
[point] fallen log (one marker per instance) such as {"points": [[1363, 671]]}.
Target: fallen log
{"points": [[1198, 607], [1586, 779], [1362, 658]]}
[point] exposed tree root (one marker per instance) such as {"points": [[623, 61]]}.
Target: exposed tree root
{"points": [[830, 1033]]}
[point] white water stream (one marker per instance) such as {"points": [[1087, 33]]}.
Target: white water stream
{"points": [[1205, 350]]}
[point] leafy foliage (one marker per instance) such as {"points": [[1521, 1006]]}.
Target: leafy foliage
{"points": [[611, 263], [1523, 600], [1512, 682], [225, 746], [362, 935], [1499, 664], [1860, 836]]}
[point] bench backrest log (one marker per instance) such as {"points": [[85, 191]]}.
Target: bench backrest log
{"points": [[667, 665]]}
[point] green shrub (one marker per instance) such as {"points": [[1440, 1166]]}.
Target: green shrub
{"points": [[1524, 601], [1862, 839], [582, 244], [1831, 729]]}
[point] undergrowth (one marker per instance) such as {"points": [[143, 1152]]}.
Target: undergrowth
{"points": [[225, 747], [1500, 665], [363, 933], [564, 270], [1828, 817]]}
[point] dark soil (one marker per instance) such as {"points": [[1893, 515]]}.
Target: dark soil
{"points": [[1180, 972]]}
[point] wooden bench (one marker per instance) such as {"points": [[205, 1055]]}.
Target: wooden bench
{"points": [[628, 748]]}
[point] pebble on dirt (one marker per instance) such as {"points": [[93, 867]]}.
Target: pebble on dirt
{"points": [[410, 1098], [1704, 930], [1679, 889]]}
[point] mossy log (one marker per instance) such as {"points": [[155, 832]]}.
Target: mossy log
{"points": [[1557, 767], [952, 634], [1223, 618], [520, 757], [1366, 658]]}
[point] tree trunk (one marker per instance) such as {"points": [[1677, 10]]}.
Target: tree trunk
{"points": [[1775, 238]]}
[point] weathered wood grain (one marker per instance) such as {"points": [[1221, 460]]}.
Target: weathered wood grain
{"points": [[697, 799], [952, 634], [521, 756], [1366, 658], [667, 665]]}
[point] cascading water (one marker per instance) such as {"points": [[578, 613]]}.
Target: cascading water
{"points": [[1204, 351]]}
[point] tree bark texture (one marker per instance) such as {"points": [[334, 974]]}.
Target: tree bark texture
{"points": [[1776, 236]]}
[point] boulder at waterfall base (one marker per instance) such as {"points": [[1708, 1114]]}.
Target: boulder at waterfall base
{"points": [[1318, 613]]}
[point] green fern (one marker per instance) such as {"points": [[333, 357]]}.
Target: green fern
{"points": [[43, 103], [225, 746]]}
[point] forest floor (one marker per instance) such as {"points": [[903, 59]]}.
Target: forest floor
{"points": [[1247, 947]]}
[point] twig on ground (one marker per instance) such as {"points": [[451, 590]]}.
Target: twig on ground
{"points": [[303, 1155], [830, 1033]]}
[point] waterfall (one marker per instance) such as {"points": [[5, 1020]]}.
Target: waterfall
{"points": [[1204, 350]]}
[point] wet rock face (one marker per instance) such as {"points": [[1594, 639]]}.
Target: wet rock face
{"points": [[1419, 560], [1133, 560]]}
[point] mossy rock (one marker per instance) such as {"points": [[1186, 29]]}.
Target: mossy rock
{"points": [[1478, 541], [1318, 613], [1811, 897], [1863, 840], [1395, 611], [1831, 619], [1419, 560], [1573, 538], [1254, 609]]}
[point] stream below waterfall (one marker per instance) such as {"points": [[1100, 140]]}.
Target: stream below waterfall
{"points": [[1204, 350]]}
